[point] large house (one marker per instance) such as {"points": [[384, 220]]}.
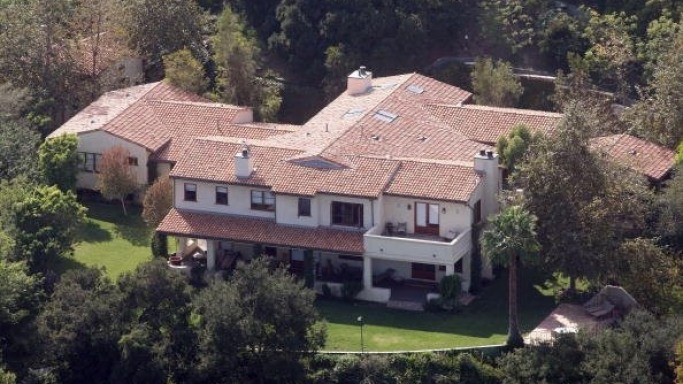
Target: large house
{"points": [[383, 185]]}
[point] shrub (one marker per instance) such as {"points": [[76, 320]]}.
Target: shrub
{"points": [[327, 292], [450, 287], [159, 245], [350, 289]]}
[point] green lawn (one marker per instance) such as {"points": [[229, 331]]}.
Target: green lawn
{"points": [[483, 322], [111, 240]]}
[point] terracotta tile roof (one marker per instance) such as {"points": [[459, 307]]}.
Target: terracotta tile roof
{"points": [[103, 110], [214, 160], [434, 181], [486, 124], [261, 231], [640, 155]]}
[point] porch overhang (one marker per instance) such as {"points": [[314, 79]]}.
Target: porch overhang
{"points": [[260, 231]]}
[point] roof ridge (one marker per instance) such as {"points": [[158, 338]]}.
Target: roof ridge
{"points": [[210, 104], [516, 111]]}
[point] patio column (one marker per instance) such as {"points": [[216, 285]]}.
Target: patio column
{"points": [[450, 269], [367, 272], [182, 242], [467, 271], [210, 255]]}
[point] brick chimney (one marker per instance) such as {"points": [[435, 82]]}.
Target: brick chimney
{"points": [[359, 81]]}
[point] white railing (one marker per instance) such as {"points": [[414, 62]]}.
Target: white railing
{"points": [[416, 250]]}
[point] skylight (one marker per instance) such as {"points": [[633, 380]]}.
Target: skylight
{"points": [[385, 116], [415, 89], [352, 113]]}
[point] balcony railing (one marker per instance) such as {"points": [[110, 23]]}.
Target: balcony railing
{"points": [[416, 249]]}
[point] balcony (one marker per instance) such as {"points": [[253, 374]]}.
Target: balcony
{"points": [[416, 248]]}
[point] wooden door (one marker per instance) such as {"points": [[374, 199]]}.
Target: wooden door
{"points": [[427, 218], [423, 271]]}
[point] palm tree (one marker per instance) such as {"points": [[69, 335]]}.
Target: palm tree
{"points": [[511, 239]]}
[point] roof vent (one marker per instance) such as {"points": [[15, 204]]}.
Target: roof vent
{"points": [[375, 137], [633, 152], [385, 116], [489, 154], [482, 152], [422, 138], [415, 89]]}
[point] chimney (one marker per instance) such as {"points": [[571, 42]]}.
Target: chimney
{"points": [[244, 164], [486, 164], [359, 81]]}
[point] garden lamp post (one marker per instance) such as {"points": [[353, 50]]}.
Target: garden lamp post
{"points": [[360, 322]]}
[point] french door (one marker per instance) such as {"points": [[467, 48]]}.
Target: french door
{"points": [[427, 218]]}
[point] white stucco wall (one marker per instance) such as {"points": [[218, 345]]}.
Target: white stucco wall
{"points": [[288, 211], [239, 199], [99, 142], [458, 216]]}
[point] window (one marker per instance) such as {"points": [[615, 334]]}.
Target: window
{"points": [[348, 214], [476, 214], [88, 162], [263, 200], [190, 192], [304, 206], [222, 195], [133, 161]]}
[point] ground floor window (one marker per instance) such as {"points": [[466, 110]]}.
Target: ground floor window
{"points": [[423, 271]]}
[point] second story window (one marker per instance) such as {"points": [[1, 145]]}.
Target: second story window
{"points": [[133, 161], [222, 195], [262, 200], [304, 206], [347, 214], [190, 192]]}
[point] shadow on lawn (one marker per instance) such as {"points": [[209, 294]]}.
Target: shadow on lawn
{"points": [[486, 316], [91, 232], [130, 227], [63, 264]]}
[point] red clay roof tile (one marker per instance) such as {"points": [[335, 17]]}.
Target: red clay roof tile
{"points": [[261, 231], [640, 155]]}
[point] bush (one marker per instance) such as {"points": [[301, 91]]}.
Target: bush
{"points": [[327, 292], [450, 287], [160, 245], [350, 289]]}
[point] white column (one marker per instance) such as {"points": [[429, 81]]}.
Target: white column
{"points": [[210, 254], [182, 242], [367, 272], [450, 269]]}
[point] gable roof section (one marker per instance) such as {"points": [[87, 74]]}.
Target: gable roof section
{"points": [[640, 155], [434, 181], [486, 124], [215, 161]]}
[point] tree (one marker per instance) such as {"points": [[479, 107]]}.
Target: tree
{"points": [[511, 240], [158, 201], [158, 27], [158, 343], [18, 145], [658, 116], [20, 298], [256, 325], [184, 71], [58, 161], [585, 205], [43, 225], [495, 84], [116, 179], [236, 57], [649, 273], [513, 148], [80, 327]]}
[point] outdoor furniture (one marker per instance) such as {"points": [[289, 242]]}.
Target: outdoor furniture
{"points": [[389, 228], [402, 229]]}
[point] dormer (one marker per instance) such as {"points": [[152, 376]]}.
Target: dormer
{"points": [[244, 164], [359, 81]]}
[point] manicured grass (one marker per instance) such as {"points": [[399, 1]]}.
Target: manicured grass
{"points": [[483, 322], [111, 240]]}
